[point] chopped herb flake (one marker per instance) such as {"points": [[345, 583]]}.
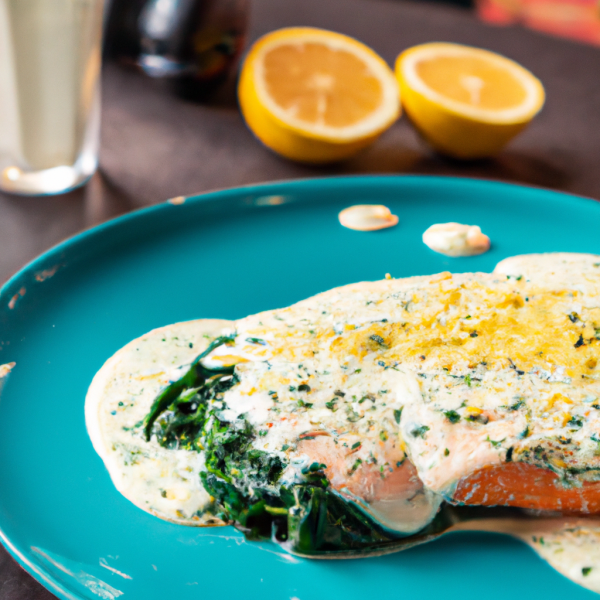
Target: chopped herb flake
{"points": [[575, 422], [303, 404], [397, 415], [313, 468], [355, 466], [493, 442], [420, 431], [379, 340], [452, 416]]}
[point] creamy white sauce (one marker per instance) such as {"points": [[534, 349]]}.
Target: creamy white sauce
{"points": [[555, 270], [367, 217], [163, 482], [4, 372], [403, 515], [574, 552], [455, 239], [569, 544], [449, 450], [6, 369]]}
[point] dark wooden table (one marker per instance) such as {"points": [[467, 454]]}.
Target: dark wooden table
{"points": [[155, 146]]}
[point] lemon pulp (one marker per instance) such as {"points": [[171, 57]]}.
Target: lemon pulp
{"points": [[318, 84], [472, 81]]}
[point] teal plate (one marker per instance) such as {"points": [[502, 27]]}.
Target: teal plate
{"points": [[229, 254]]}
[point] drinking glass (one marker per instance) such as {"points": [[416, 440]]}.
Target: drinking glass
{"points": [[49, 94]]}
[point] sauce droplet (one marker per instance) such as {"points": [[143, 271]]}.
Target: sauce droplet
{"points": [[456, 239], [367, 217]]}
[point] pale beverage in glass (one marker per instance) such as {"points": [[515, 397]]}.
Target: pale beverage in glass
{"points": [[49, 94]]}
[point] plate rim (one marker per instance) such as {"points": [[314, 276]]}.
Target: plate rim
{"points": [[213, 194], [13, 283]]}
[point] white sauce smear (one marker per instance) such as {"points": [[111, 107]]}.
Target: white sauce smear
{"points": [[456, 239]]}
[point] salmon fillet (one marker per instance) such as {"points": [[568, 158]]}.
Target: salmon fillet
{"points": [[477, 388]]}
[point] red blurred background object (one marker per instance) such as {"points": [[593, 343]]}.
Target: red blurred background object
{"points": [[576, 19]]}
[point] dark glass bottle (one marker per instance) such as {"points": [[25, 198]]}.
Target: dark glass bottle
{"points": [[195, 43]]}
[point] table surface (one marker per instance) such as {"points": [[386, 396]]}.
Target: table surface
{"points": [[155, 146]]}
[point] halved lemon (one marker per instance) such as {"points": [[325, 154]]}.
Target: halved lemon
{"points": [[467, 102], [316, 96]]}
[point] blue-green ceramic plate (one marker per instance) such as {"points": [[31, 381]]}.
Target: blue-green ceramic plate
{"points": [[229, 254]]}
